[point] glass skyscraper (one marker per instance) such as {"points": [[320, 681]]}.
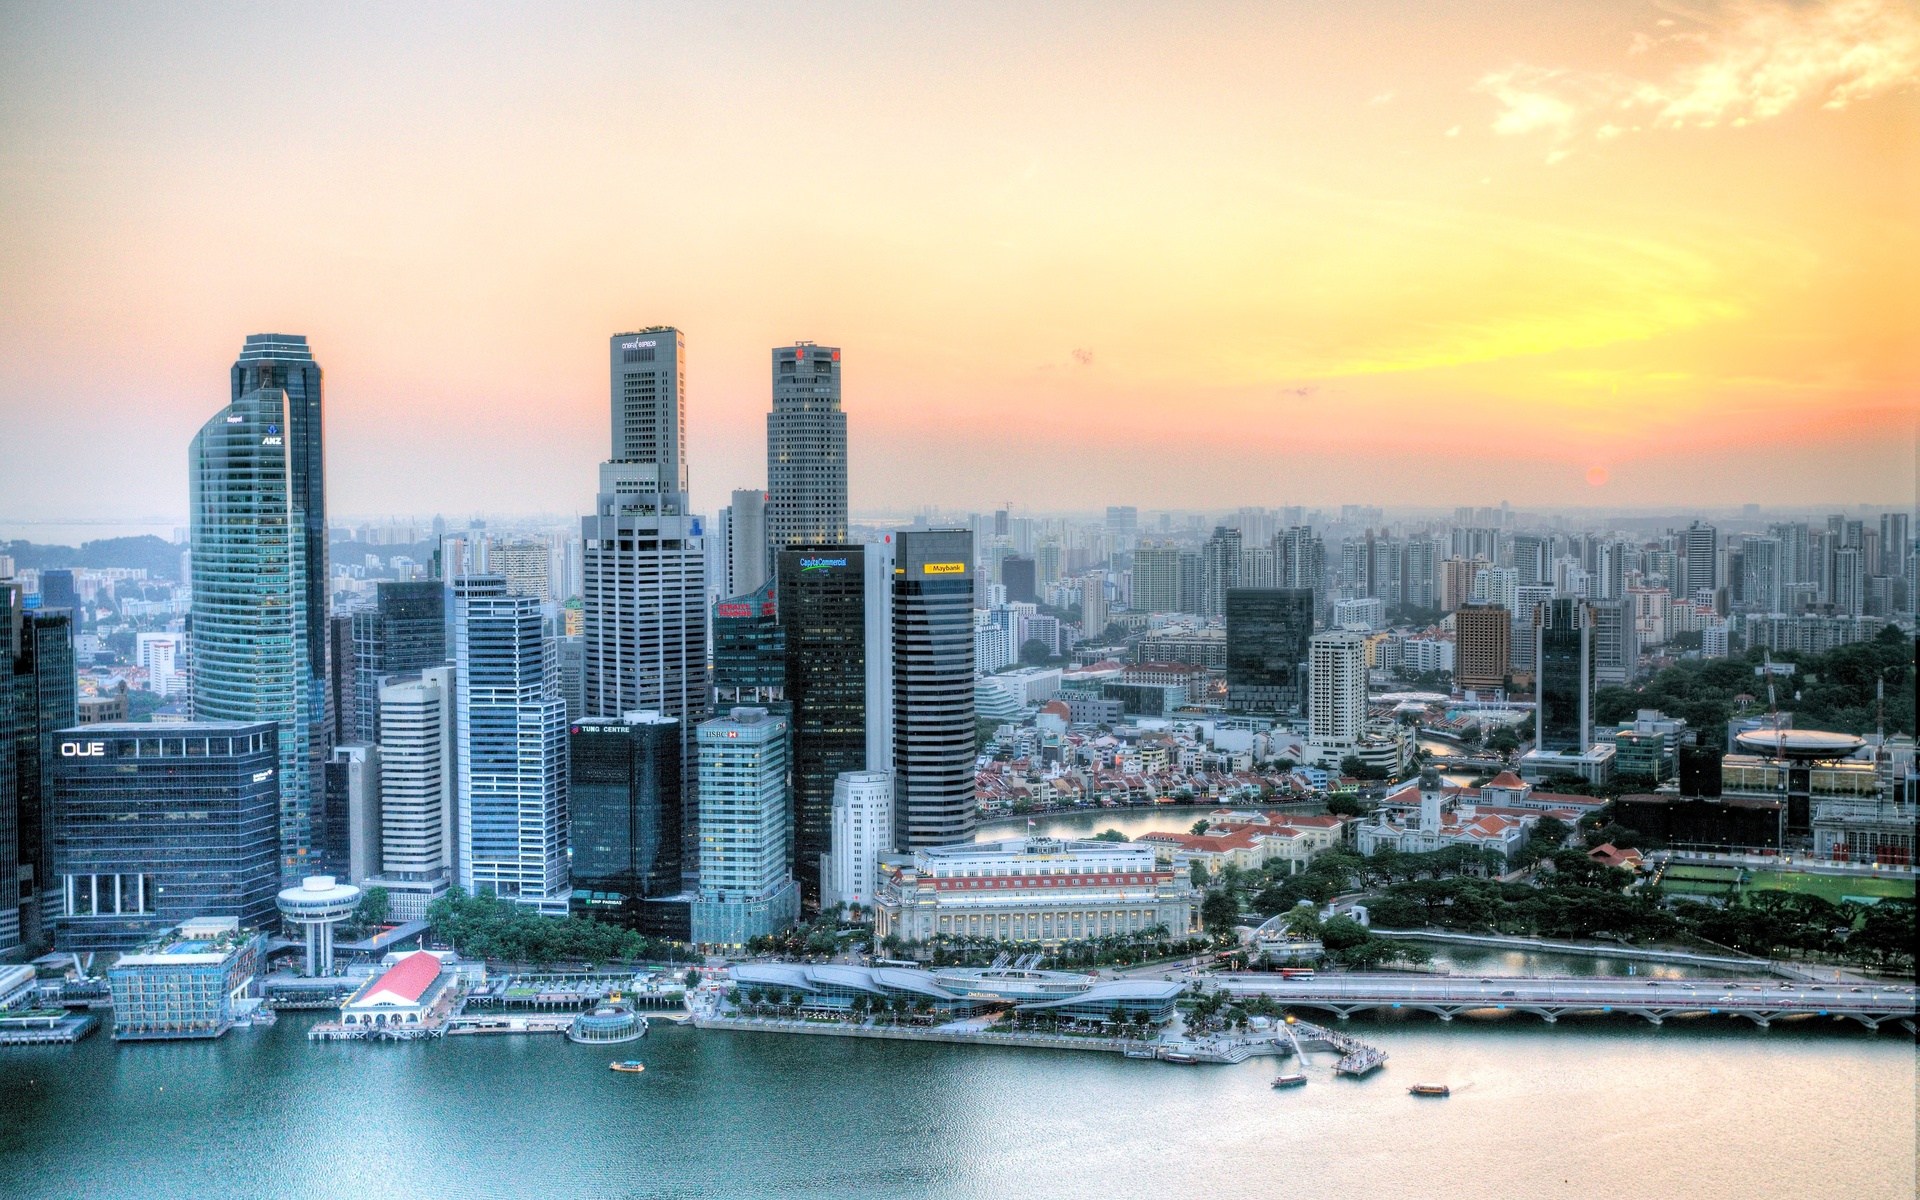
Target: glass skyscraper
{"points": [[1563, 682], [745, 888], [1267, 634], [624, 801], [156, 824], [37, 698], [403, 633], [512, 734], [933, 716], [252, 660], [823, 610]]}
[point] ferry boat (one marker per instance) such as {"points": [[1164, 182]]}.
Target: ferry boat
{"points": [[1287, 1081], [630, 1066], [1185, 1060], [1430, 1089]]}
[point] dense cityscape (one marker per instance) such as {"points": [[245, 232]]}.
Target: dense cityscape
{"points": [[1268, 646]]}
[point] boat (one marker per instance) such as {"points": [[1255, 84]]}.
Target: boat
{"points": [[629, 1066], [1430, 1089], [1185, 1060], [1286, 1081]]}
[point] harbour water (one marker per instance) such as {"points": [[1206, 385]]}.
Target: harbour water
{"points": [[1612, 1109]]}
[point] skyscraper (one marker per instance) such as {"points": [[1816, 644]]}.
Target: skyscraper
{"points": [[405, 631], [1483, 637], [1701, 572], [933, 717], [1564, 678], [283, 362], [862, 831], [252, 627], [745, 888], [37, 697], [1267, 634], [748, 564], [1156, 579], [750, 652], [513, 749], [1017, 573], [837, 682], [643, 571], [1220, 557], [1337, 694], [806, 450], [419, 788], [624, 800]]}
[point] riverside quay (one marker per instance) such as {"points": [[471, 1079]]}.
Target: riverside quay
{"points": [[1033, 889]]}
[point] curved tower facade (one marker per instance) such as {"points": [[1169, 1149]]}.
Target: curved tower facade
{"points": [[251, 658]]}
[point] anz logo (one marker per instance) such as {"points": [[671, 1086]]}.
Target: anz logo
{"points": [[82, 749], [270, 441]]}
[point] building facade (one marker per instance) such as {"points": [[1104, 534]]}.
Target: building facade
{"points": [[806, 450], [38, 697], [405, 631], [1564, 677], [1483, 646], [1337, 696], [189, 982], [746, 890], [158, 824], [512, 730], [933, 716], [419, 789], [862, 831], [1040, 890], [624, 798], [1267, 634]]}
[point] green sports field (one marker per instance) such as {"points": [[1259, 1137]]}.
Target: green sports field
{"points": [[1830, 887]]}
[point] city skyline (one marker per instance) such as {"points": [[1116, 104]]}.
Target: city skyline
{"points": [[1664, 250]]}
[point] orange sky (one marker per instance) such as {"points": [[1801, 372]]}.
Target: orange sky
{"points": [[1221, 255]]}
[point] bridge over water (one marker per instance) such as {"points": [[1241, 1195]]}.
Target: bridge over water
{"points": [[1761, 1002]]}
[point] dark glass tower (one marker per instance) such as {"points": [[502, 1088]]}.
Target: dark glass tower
{"points": [[403, 633], [933, 715], [154, 824], [39, 686], [1267, 633], [749, 652], [1563, 684], [823, 610], [624, 799], [57, 592]]}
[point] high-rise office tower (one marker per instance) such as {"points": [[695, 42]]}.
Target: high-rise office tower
{"points": [[750, 652], [403, 632], [933, 718], [513, 750], [57, 591], [1526, 599], [862, 831], [747, 562], [283, 362], [1220, 558], [341, 713], [1018, 574], [526, 565], [806, 450], [1267, 634], [624, 800], [156, 824], [419, 789], [833, 605], [348, 825], [1483, 639], [252, 626], [1702, 547], [38, 694], [1093, 605], [643, 570], [1156, 579], [1564, 675], [745, 888], [1616, 642], [1337, 694]]}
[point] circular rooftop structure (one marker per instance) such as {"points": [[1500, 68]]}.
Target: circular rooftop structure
{"points": [[319, 898], [1799, 743]]}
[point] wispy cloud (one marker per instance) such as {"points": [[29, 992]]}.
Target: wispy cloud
{"points": [[1751, 62], [1382, 98]]}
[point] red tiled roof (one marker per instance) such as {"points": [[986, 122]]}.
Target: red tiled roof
{"points": [[1505, 779], [409, 978]]}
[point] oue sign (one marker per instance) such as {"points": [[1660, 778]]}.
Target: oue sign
{"points": [[82, 749]]}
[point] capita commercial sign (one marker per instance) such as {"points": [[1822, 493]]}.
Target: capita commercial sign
{"points": [[821, 564]]}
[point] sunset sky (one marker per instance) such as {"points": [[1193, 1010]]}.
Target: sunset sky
{"points": [[1195, 256]]}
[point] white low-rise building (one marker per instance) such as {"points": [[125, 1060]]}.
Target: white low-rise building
{"points": [[862, 830], [1032, 890]]}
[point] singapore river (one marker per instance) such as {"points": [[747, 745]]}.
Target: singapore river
{"points": [[1581, 1110]]}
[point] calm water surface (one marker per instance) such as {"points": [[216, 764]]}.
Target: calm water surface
{"points": [[1614, 1110]]}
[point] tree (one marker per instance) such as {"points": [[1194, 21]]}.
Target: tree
{"points": [[1353, 768], [1219, 913], [1346, 806], [1200, 827], [1342, 933], [1197, 872], [1109, 835], [1033, 652], [372, 910], [1504, 741]]}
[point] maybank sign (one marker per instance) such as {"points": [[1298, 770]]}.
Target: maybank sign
{"points": [[821, 564], [944, 569]]}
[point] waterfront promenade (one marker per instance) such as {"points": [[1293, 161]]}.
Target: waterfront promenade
{"points": [[1550, 999]]}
